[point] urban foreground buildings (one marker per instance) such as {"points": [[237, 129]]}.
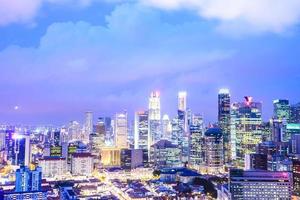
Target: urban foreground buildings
{"points": [[151, 155]]}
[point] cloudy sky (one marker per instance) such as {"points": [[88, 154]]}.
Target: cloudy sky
{"points": [[59, 58]]}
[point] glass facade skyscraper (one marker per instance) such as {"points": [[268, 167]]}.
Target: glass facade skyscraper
{"points": [[224, 121], [246, 122]]}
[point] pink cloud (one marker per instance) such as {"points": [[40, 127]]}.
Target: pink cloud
{"points": [[16, 11]]}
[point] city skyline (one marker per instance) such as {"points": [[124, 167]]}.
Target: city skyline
{"points": [[60, 59]]}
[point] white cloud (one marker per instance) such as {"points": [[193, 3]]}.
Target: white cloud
{"points": [[261, 15]]}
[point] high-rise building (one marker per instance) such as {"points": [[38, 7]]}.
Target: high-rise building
{"points": [[154, 106], [19, 150], [277, 128], [74, 131], [257, 184], [282, 109], [154, 117], [88, 126], [214, 150], [165, 154], [141, 133], [182, 105], [295, 113], [28, 180], [121, 130], [224, 122], [197, 153], [295, 144], [246, 133], [166, 127]]}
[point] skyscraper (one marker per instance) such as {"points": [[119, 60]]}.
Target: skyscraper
{"points": [[224, 121], [74, 131], [282, 109], [196, 155], [88, 126], [154, 117], [295, 113], [166, 127], [121, 130], [246, 122], [182, 105], [154, 106], [19, 150], [214, 150], [28, 180], [141, 133]]}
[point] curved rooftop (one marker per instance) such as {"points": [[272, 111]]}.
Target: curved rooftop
{"points": [[214, 132]]}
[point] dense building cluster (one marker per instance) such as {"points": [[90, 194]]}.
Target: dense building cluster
{"points": [[150, 155]]}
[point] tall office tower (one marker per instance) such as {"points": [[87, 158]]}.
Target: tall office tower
{"points": [[19, 150], [295, 144], [266, 131], [166, 127], [224, 121], [282, 109], [100, 128], [182, 108], [182, 105], [108, 129], [165, 154], [277, 130], [28, 180], [154, 117], [141, 131], [183, 136], [97, 140], [214, 159], [56, 138], [74, 131], [88, 125], [121, 130], [296, 177], [246, 133], [295, 113], [197, 153], [248, 185]]}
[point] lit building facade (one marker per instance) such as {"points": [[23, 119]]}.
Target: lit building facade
{"points": [[246, 133], [154, 117], [165, 154], [121, 130], [28, 180], [88, 126], [197, 153], [82, 164], [53, 167], [214, 159], [282, 109], [249, 185], [224, 122]]}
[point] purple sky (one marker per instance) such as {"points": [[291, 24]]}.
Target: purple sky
{"points": [[61, 58]]}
